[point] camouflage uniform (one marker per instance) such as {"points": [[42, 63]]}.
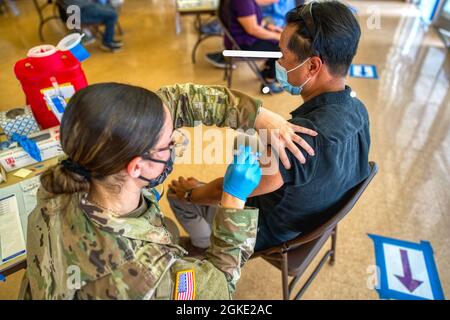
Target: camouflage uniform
{"points": [[211, 105], [76, 250]]}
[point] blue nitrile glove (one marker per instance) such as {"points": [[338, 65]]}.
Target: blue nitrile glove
{"points": [[243, 175], [28, 145]]}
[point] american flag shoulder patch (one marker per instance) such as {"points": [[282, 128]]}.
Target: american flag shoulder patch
{"points": [[185, 285]]}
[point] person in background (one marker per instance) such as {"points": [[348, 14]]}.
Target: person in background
{"points": [[244, 20], [275, 11], [98, 12]]}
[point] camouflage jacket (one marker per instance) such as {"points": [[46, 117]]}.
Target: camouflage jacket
{"points": [[77, 250], [210, 105]]}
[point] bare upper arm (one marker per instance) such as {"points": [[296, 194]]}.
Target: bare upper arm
{"points": [[271, 179], [249, 23], [268, 183]]}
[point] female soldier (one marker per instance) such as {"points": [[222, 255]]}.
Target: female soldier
{"points": [[95, 235]]}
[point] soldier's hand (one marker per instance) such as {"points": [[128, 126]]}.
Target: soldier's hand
{"points": [[281, 134], [243, 175]]}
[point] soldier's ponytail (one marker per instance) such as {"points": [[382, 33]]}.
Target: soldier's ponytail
{"points": [[59, 179], [103, 128]]}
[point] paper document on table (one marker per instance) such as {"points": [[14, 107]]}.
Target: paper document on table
{"points": [[29, 188], [12, 242]]}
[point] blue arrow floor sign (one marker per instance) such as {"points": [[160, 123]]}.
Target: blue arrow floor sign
{"points": [[367, 71], [407, 270]]}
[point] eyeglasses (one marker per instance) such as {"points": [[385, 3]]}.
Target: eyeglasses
{"points": [[177, 146]]}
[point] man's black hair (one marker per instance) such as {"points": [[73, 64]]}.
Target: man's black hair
{"points": [[328, 30]]}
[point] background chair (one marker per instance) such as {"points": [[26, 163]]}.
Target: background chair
{"points": [[42, 8], [294, 257], [204, 32], [186, 8], [53, 10], [93, 27], [223, 17]]}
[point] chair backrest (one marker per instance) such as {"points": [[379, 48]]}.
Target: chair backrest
{"points": [[223, 12], [39, 8], [347, 206], [224, 16]]}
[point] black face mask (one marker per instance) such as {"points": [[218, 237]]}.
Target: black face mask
{"points": [[160, 179]]}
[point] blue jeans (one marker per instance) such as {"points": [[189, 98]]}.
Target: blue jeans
{"points": [[104, 14]]}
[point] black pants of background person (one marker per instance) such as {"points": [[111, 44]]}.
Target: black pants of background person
{"points": [[265, 45]]}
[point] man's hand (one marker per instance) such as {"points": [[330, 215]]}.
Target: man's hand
{"points": [[282, 134], [274, 28], [179, 187], [203, 194]]}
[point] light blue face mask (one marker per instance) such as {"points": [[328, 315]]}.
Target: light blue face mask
{"points": [[282, 77]]}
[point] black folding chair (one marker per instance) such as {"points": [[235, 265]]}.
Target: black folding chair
{"points": [[202, 35], [42, 7], [54, 10], [294, 257], [224, 17]]}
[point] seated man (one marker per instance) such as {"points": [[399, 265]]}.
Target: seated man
{"points": [[97, 12], [318, 46]]}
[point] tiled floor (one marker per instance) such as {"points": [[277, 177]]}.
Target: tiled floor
{"points": [[409, 106]]}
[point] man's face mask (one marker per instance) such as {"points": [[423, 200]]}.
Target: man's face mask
{"points": [[176, 147], [282, 77]]}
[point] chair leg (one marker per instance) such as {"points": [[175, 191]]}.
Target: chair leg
{"points": [[198, 20], [230, 74], [333, 246], [254, 67], [313, 275], [294, 282], [41, 27], [40, 32], [285, 275], [198, 23], [229, 71], [95, 31], [194, 50], [119, 28], [225, 73]]}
